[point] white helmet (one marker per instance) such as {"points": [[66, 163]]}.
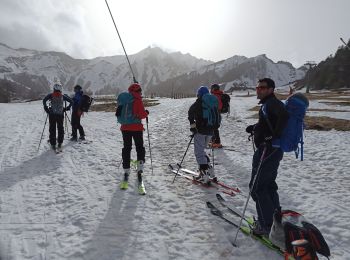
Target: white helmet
{"points": [[57, 87]]}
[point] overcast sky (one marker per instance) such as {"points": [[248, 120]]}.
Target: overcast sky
{"points": [[291, 30]]}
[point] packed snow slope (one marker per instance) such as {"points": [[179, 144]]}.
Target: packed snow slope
{"points": [[69, 206]]}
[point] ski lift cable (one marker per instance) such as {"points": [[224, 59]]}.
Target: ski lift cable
{"points": [[126, 55]]}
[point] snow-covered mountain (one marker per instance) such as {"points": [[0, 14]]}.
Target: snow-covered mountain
{"points": [[29, 73], [237, 71], [99, 75]]}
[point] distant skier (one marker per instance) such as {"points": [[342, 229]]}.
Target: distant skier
{"points": [[130, 112], [216, 141], [56, 114], [76, 115], [273, 118], [204, 117]]}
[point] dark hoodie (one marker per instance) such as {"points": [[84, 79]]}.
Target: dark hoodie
{"points": [[277, 116]]}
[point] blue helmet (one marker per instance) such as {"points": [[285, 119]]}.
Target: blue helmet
{"points": [[202, 91]]}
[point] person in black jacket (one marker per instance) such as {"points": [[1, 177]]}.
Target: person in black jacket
{"points": [[56, 114], [273, 118], [76, 115]]}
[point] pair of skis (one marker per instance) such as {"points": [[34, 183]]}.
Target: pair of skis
{"points": [[246, 228], [191, 175]]}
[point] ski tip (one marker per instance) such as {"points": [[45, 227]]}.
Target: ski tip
{"points": [[210, 205], [219, 197]]}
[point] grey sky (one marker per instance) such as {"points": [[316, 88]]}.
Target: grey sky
{"points": [[292, 30]]}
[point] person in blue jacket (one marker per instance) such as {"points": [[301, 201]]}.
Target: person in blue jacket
{"points": [[76, 115], [56, 114]]}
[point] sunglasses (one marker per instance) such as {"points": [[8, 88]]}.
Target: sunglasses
{"points": [[261, 87]]}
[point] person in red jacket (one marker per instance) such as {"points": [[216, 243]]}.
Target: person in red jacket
{"points": [[134, 130], [215, 141]]}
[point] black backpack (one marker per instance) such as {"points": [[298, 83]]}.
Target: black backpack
{"points": [[225, 99], [85, 103]]}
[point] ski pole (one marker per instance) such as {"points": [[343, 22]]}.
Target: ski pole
{"points": [[47, 115], [149, 144], [126, 55], [189, 143], [250, 192]]}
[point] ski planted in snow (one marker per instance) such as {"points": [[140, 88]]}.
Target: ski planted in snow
{"points": [[247, 230], [216, 181], [190, 178], [232, 209]]}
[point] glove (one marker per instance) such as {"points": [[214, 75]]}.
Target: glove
{"points": [[147, 112], [250, 129], [193, 128], [66, 109], [47, 110]]}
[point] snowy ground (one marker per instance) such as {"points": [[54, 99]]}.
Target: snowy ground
{"points": [[69, 206]]}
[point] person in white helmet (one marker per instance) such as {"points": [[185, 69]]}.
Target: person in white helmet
{"points": [[56, 114]]}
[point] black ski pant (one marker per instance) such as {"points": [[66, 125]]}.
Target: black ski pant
{"points": [[76, 125], [126, 152], [216, 137], [264, 190], [56, 120]]}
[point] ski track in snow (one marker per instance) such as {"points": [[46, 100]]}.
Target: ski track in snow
{"points": [[69, 206]]}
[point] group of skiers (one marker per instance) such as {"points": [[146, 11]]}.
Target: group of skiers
{"points": [[56, 111], [204, 117]]}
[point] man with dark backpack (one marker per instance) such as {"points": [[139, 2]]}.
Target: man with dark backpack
{"points": [[130, 112], [204, 117], [215, 90], [273, 118], [76, 114], [56, 115]]}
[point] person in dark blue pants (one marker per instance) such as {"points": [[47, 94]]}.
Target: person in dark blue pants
{"points": [[273, 118], [76, 115]]}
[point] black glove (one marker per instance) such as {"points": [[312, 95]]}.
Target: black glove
{"points": [[193, 128], [67, 108], [250, 129], [47, 110], [147, 112]]}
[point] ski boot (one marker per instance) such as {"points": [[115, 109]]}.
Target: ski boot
{"points": [[73, 139], [59, 148], [203, 174], [53, 147], [82, 138], [125, 183], [140, 186], [212, 174]]}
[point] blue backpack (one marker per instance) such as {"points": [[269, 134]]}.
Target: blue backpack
{"points": [[211, 115], [293, 133], [124, 111]]}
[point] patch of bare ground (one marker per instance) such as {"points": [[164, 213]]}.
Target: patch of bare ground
{"points": [[110, 104], [321, 123], [325, 123]]}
